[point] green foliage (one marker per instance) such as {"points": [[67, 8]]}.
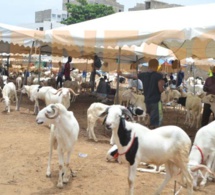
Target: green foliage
{"points": [[85, 11]]}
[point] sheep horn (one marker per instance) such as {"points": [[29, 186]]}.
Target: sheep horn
{"points": [[71, 90], [54, 108], [60, 89], [127, 113]]}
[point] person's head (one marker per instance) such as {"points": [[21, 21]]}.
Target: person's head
{"points": [[69, 59], [153, 64]]}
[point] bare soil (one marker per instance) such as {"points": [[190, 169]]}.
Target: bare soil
{"points": [[24, 148]]}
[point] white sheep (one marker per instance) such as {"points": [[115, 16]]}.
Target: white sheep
{"points": [[138, 100], [168, 145], [210, 99], [19, 82], [93, 115], [64, 134], [202, 153], [48, 94], [8, 95], [36, 93], [61, 95]]}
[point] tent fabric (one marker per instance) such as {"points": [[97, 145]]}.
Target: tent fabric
{"points": [[187, 31]]}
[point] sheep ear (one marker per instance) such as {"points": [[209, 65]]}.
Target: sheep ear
{"points": [[104, 113], [126, 112]]}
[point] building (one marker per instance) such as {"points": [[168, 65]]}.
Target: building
{"points": [[117, 7], [47, 19], [50, 15], [152, 4]]}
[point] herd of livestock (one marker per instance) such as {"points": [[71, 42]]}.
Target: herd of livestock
{"points": [[132, 141]]}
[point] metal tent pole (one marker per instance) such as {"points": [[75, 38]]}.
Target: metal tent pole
{"points": [[118, 69], [25, 76]]}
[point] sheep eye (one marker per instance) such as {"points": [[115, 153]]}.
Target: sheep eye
{"points": [[48, 112]]}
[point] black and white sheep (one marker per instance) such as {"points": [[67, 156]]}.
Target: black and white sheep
{"points": [[64, 134], [168, 145]]}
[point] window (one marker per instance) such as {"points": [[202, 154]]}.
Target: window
{"points": [[53, 15]]}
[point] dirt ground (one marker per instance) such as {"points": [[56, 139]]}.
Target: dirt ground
{"points": [[24, 148]]}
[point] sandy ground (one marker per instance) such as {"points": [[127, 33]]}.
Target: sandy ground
{"points": [[24, 148]]}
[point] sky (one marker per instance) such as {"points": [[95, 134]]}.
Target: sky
{"points": [[17, 12]]}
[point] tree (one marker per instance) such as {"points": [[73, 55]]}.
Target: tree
{"points": [[85, 11]]}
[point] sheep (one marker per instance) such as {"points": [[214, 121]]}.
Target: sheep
{"points": [[160, 146], [193, 106], [138, 100], [64, 134], [202, 153], [93, 113], [9, 93], [210, 99], [124, 96], [19, 82], [61, 95], [48, 95], [74, 86], [36, 92]]}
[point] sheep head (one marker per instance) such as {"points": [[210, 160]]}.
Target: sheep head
{"points": [[114, 115], [49, 112]]}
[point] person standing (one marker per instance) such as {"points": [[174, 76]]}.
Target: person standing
{"points": [[180, 77], [60, 74], [153, 86], [67, 69], [209, 88]]}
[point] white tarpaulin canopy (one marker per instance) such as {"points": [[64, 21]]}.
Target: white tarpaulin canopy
{"points": [[15, 39], [187, 31]]}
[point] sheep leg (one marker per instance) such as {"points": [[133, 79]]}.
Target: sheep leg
{"points": [[52, 141], [90, 129], [61, 163], [36, 107], [209, 165], [167, 178], [112, 139], [67, 172], [131, 177], [16, 101]]}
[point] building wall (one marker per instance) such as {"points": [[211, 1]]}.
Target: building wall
{"points": [[139, 6], [50, 15], [153, 4], [116, 6]]}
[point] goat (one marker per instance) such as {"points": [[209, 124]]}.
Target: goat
{"points": [[64, 134], [160, 146], [202, 153], [9, 93]]}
